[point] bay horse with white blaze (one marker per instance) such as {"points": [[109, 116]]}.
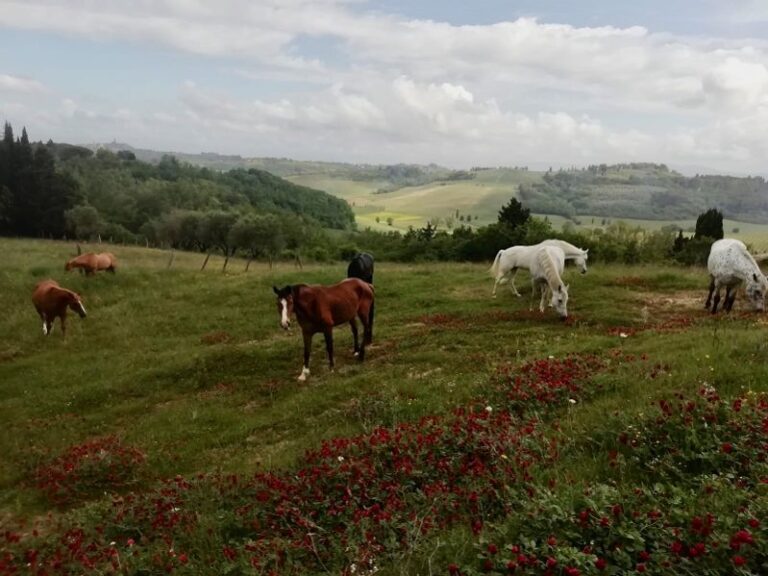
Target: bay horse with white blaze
{"points": [[92, 263], [320, 308], [51, 301]]}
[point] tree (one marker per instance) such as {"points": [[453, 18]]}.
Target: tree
{"points": [[709, 224], [214, 230], [513, 215], [83, 222], [258, 235]]}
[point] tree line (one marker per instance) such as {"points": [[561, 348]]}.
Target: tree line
{"points": [[34, 194], [60, 190]]}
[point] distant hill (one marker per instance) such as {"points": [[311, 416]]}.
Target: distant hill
{"points": [[416, 193], [129, 193]]}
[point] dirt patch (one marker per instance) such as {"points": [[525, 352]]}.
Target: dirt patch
{"points": [[216, 337]]}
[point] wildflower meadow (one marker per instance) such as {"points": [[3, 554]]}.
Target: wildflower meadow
{"points": [[168, 434]]}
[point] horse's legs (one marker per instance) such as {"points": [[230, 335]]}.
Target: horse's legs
{"points": [[533, 293], [716, 300], [366, 320], [730, 297], [368, 324], [63, 317], [708, 303], [512, 286], [544, 290], [45, 324], [328, 333], [353, 325], [307, 348]]}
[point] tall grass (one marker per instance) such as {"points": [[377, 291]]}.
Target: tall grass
{"points": [[191, 368]]}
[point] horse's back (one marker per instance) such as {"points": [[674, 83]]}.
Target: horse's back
{"points": [[361, 266], [106, 260], [360, 288], [42, 293], [728, 254], [332, 305]]}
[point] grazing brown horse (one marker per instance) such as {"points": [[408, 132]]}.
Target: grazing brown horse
{"points": [[320, 308], [51, 300], [92, 263]]}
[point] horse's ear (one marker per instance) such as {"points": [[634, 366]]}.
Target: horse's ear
{"points": [[275, 289], [585, 251]]}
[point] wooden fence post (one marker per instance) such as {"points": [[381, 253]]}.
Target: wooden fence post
{"points": [[208, 255]]}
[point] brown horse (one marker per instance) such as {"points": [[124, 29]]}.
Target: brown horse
{"points": [[92, 263], [320, 308], [51, 300]]}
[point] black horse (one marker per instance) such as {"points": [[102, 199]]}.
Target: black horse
{"points": [[361, 266]]}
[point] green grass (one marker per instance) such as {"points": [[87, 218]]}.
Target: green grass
{"points": [[192, 367], [481, 197]]}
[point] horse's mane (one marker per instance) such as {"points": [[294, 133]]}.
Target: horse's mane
{"points": [[567, 247], [547, 264], [298, 305]]}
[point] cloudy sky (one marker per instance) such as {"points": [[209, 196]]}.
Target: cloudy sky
{"points": [[459, 83]]}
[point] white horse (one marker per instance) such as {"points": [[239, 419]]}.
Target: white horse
{"points": [[730, 264], [508, 261], [546, 266]]}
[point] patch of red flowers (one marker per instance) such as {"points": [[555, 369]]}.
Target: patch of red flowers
{"points": [[352, 499], [104, 463]]}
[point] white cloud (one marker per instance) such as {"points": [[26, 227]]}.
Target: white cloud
{"points": [[510, 92], [17, 84]]}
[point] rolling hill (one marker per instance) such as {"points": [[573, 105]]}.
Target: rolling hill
{"points": [[403, 195]]}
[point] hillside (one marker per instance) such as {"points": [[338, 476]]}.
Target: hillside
{"points": [[412, 195], [129, 194]]}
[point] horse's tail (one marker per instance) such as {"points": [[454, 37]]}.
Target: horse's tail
{"points": [[494, 269]]}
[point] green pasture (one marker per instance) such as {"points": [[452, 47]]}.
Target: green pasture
{"points": [[482, 197], [192, 368]]}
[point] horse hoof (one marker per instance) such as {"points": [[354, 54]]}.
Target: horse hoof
{"points": [[302, 378]]}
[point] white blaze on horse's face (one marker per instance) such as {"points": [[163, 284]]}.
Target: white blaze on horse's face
{"points": [[45, 328], [285, 322]]}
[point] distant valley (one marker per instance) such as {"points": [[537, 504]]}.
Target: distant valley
{"points": [[399, 196]]}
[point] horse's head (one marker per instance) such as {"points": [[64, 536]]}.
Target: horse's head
{"points": [[284, 305], [755, 289], [75, 304], [559, 300], [68, 265], [581, 261]]}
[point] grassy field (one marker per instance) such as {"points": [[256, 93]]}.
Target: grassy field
{"points": [[481, 197], [191, 370]]}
